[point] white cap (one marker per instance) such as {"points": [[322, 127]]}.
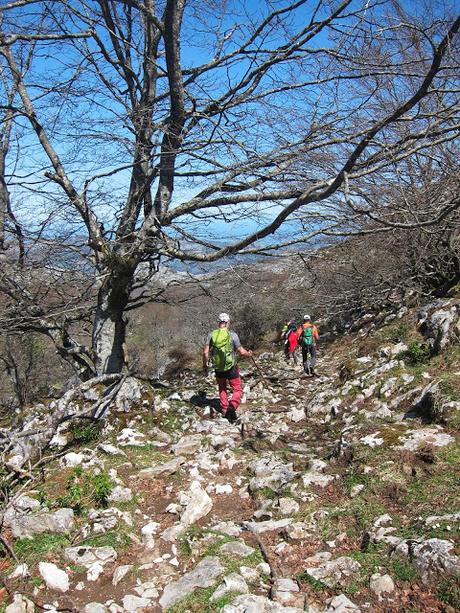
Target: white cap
{"points": [[307, 317], [224, 317]]}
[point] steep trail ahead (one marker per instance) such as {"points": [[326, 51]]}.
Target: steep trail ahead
{"points": [[334, 493]]}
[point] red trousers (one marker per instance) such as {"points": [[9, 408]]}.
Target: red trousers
{"points": [[237, 392]]}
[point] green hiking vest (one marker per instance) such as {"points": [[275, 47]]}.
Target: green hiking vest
{"points": [[306, 338], [222, 355]]}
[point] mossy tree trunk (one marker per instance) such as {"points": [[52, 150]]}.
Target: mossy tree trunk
{"points": [[110, 321]]}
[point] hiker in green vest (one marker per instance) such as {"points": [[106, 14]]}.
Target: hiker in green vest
{"points": [[221, 347], [308, 341]]}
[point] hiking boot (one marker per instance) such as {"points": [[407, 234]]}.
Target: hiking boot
{"points": [[231, 414]]}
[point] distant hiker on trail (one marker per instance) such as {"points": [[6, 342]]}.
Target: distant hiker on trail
{"points": [[291, 342], [307, 334], [284, 330], [221, 347]]}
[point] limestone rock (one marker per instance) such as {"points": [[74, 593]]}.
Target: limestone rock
{"points": [[252, 603], [315, 475], [250, 574], [231, 583], [87, 556], [434, 557], [187, 445], [341, 604], [130, 393], [20, 604], [288, 506], [169, 468], [286, 591], [20, 572], [435, 520], [237, 548], [121, 494], [61, 522], [131, 437], [382, 531], [110, 449], [132, 604], [199, 505], [147, 532], [54, 577], [147, 589], [270, 471], [434, 436], [381, 584], [225, 488], [102, 520], [355, 490], [72, 459], [300, 530], [95, 607], [94, 571], [268, 526], [333, 572], [120, 572], [203, 575], [24, 503], [439, 322]]}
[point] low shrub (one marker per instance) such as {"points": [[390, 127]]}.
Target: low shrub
{"points": [[85, 432], [86, 490], [416, 353]]}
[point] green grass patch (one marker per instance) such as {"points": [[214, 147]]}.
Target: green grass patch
{"points": [[364, 512], [77, 568], [233, 565], [442, 530], [145, 456], [84, 432], [352, 588], [354, 478], [402, 570], [449, 592], [118, 539], [395, 333], [316, 585], [450, 387], [266, 492], [30, 551], [170, 422], [370, 560], [196, 602], [438, 490]]}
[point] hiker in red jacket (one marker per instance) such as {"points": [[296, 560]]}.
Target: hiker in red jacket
{"points": [[308, 336], [291, 342], [221, 346]]}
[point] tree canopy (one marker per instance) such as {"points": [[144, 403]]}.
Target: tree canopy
{"points": [[138, 131]]}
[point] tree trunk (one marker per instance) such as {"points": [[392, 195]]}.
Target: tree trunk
{"points": [[3, 202], [109, 328]]}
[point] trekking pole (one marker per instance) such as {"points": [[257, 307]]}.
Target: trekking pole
{"points": [[260, 371]]}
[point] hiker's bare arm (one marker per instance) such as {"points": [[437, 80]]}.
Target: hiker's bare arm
{"points": [[244, 352], [205, 358]]}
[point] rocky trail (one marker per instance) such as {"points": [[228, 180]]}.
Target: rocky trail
{"points": [[334, 493]]}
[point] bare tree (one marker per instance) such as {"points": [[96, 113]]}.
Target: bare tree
{"points": [[154, 126]]}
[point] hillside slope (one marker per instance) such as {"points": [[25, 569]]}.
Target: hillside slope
{"points": [[335, 493]]}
